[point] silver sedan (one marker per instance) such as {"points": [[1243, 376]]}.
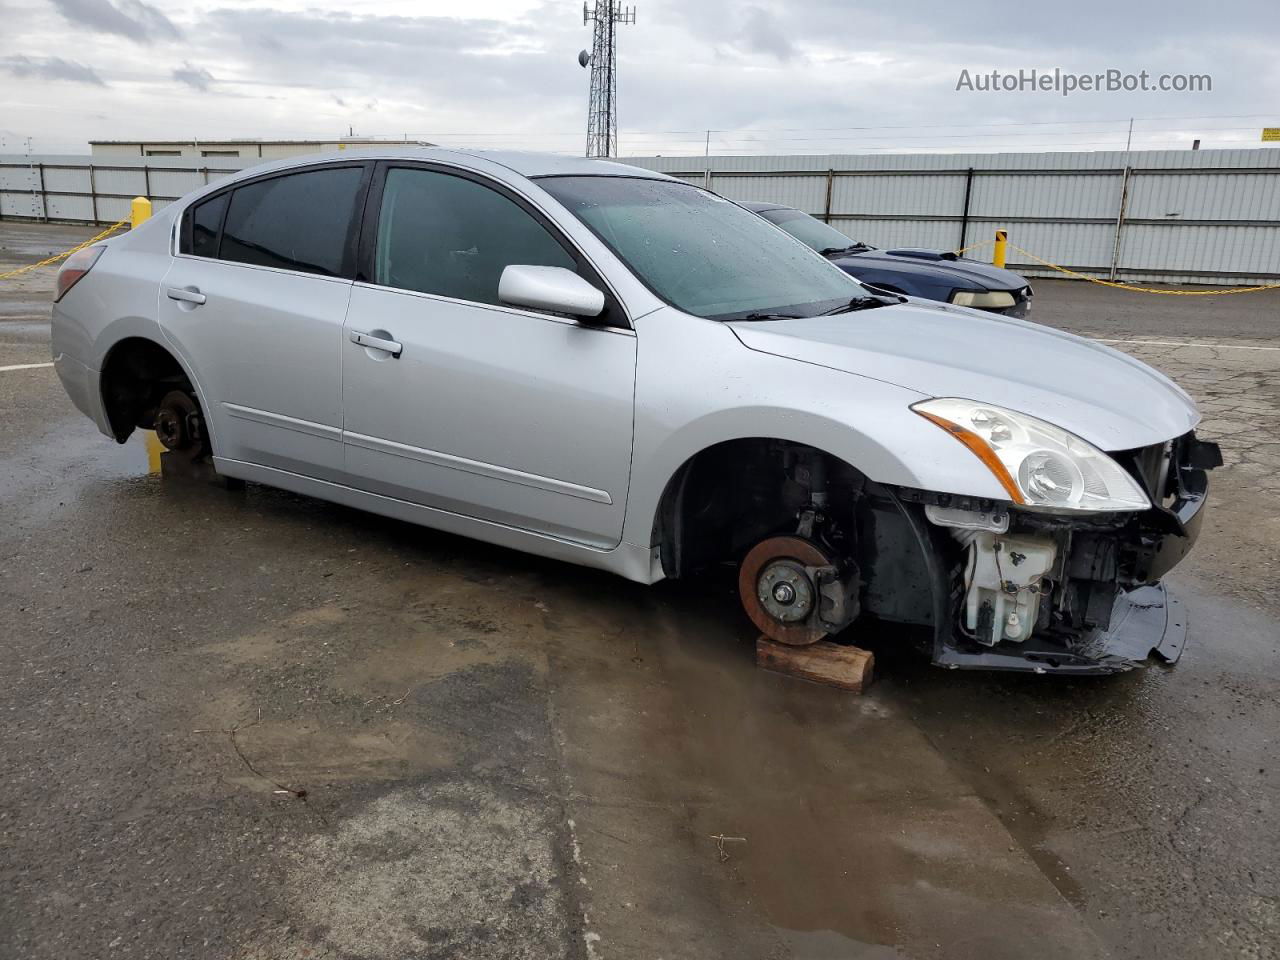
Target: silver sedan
{"points": [[612, 367]]}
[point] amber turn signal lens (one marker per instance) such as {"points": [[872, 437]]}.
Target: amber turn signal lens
{"points": [[981, 451]]}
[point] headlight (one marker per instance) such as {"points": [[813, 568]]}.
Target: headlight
{"points": [[983, 301], [1038, 464]]}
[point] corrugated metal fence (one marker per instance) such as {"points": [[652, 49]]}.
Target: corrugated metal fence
{"points": [[77, 189], [1209, 216]]}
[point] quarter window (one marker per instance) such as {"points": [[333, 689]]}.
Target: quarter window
{"points": [[447, 235], [301, 221], [206, 220]]}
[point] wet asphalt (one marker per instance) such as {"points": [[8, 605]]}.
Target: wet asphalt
{"points": [[256, 725]]}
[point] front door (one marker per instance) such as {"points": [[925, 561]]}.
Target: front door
{"points": [[456, 401], [255, 303]]}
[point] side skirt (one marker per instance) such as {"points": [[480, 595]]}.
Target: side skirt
{"points": [[628, 560]]}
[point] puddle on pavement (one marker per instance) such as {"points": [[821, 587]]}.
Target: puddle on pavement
{"points": [[859, 837], [54, 473]]}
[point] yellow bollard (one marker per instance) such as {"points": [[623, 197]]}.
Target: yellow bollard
{"points": [[997, 254], [155, 450], [139, 212]]}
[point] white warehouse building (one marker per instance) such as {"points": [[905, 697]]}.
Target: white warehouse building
{"points": [[230, 149]]}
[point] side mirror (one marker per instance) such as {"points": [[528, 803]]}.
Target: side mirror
{"points": [[549, 288]]}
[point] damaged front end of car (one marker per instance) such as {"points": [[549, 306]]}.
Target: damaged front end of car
{"points": [[1025, 587]]}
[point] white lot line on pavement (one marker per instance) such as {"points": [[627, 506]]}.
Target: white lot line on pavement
{"points": [[1180, 343], [25, 366]]}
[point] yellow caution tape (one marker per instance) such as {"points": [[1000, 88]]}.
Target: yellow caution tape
{"points": [[66, 253], [1137, 289]]}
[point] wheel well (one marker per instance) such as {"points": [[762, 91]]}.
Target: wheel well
{"points": [[137, 373], [728, 497]]}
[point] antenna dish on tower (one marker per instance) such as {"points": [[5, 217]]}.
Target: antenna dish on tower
{"points": [[584, 58]]}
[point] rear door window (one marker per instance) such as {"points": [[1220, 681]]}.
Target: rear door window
{"points": [[448, 235], [301, 221]]}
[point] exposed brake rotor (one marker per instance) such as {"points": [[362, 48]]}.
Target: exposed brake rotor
{"points": [[778, 591], [178, 424]]}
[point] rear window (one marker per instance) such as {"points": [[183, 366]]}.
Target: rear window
{"points": [[301, 221]]}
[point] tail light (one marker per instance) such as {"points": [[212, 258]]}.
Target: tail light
{"points": [[75, 267]]}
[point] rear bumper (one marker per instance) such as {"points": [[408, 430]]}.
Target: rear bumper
{"points": [[84, 386]]}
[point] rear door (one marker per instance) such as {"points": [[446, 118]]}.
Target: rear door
{"points": [[480, 408], [255, 302]]}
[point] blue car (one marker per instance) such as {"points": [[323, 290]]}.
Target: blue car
{"points": [[931, 274]]}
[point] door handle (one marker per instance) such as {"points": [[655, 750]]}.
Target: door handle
{"points": [[186, 296], [393, 347]]}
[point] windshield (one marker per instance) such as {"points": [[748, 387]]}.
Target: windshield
{"points": [[808, 229], [701, 253]]}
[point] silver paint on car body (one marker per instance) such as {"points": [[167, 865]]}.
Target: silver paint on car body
{"points": [[549, 288], [545, 434], [1096, 392]]}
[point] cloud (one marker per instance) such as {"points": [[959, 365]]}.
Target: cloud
{"points": [[126, 18], [432, 63], [770, 76], [198, 78], [761, 33], [50, 68]]}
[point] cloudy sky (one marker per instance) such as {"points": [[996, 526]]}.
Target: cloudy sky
{"points": [[766, 76]]}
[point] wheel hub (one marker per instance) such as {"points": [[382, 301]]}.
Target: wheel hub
{"points": [[778, 592], [178, 424], [785, 591]]}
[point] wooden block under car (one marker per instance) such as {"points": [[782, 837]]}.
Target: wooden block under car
{"points": [[849, 668]]}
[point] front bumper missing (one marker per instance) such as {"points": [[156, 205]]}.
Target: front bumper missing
{"points": [[1145, 621]]}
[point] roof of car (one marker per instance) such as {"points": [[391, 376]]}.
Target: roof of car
{"points": [[531, 164], [525, 163], [755, 206]]}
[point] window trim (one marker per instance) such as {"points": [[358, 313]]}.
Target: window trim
{"points": [[351, 243], [614, 315], [188, 235]]}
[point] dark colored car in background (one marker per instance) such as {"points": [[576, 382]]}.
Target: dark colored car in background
{"points": [[931, 274]]}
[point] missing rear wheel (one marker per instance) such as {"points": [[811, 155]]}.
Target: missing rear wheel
{"points": [[180, 426]]}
